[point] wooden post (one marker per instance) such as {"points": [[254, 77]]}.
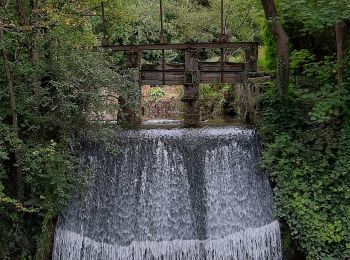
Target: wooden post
{"points": [[251, 58], [134, 63], [137, 118], [223, 39], [191, 90], [163, 39]]}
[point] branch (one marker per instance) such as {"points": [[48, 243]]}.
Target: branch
{"points": [[244, 19]]}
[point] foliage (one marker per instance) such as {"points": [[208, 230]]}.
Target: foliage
{"points": [[156, 93], [316, 15], [269, 61], [215, 100], [306, 137], [301, 57], [184, 21], [307, 140], [56, 98]]}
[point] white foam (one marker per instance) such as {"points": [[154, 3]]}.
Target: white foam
{"points": [[252, 244]]}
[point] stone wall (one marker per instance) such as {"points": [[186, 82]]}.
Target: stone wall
{"points": [[248, 93]]}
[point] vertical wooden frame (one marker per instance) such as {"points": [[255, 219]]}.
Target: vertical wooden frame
{"points": [[191, 90]]}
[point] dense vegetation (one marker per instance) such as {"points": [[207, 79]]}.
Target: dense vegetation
{"points": [[306, 135], [51, 82], [50, 91]]}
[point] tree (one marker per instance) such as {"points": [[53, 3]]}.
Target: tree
{"points": [[282, 46], [342, 29], [20, 11], [307, 143], [51, 87], [317, 16]]}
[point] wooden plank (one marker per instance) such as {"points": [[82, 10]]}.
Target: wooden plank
{"points": [[225, 77], [158, 75], [183, 46], [216, 66], [203, 66], [251, 67], [156, 78], [217, 74], [178, 78], [167, 67], [159, 82], [217, 81], [203, 80]]}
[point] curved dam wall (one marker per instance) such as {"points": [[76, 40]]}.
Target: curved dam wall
{"points": [[173, 194]]}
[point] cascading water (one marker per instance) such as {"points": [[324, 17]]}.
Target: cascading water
{"points": [[173, 194]]}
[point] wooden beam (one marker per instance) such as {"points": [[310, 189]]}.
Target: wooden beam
{"points": [[202, 67], [176, 80], [181, 46], [192, 116]]}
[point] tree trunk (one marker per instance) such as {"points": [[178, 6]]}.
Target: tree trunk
{"points": [[35, 57], [282, 46], [342, 29], [18, 178], [20, 11]]}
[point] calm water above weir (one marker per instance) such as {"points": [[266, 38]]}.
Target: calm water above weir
{"points": [[173, 194]]}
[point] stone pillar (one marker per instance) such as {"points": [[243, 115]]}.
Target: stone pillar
{"points": [[191, 90]]}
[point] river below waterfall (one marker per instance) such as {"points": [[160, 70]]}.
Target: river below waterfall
{"points": [[173, 194]]}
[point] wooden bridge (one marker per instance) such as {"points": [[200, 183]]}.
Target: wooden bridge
{"points": [[193, 72], [204, 72]]}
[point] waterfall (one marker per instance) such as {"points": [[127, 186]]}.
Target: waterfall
{"points": [[173, 194]]}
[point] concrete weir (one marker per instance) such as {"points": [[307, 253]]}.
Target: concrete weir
{"points": [[173, 194]]}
